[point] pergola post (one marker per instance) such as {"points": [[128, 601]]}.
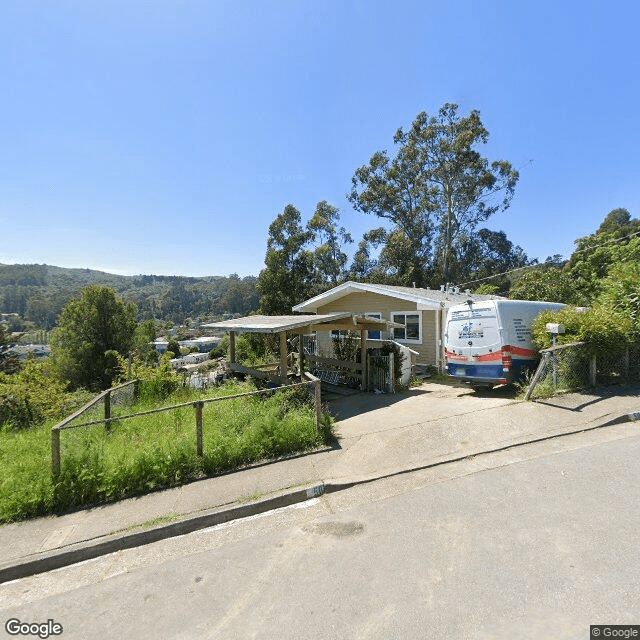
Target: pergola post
{"points": [[232, 347], [283, 356], [301, 354], [363, 358]]}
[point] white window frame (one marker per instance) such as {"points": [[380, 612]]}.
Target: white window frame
{"points": [[407, 313], [375, 315]]}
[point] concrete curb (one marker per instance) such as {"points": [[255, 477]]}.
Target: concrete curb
{"points": [[89, 549], [93, 548]]}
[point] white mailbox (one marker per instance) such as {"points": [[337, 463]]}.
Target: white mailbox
{"points": [[555, 328]]}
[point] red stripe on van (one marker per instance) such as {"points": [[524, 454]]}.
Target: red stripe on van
{"points": [[489, 357], [455, 357], [519, 351]]}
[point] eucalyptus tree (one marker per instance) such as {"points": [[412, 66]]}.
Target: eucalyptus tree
{"points": [[287, 278], [329, 258], [436, 188]]}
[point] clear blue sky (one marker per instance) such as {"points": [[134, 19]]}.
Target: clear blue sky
{"points": [[164, 136]]}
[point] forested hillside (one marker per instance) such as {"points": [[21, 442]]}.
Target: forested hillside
{"points": [[39, 292]]}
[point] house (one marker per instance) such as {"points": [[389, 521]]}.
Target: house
{"points": [[421, 311]]}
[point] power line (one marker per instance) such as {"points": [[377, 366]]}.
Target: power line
{"points": [[546, 264]]}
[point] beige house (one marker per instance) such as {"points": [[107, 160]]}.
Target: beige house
{"points": [[421, 311]]}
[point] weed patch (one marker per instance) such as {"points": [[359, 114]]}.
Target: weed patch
{"points": [[155, 451]]}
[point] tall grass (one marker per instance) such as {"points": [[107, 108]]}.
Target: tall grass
{"points": [[150, 452]]}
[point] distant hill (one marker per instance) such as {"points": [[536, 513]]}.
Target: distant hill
{"points": [[39, 292]]}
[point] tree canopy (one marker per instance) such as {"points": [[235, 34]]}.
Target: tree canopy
{"points": [[288, 276], [92, 330], [434, 191]]}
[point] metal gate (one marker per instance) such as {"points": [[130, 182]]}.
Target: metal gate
{"points": [[380, 373]]}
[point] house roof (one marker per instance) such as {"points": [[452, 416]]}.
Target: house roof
{"points": [[277, 324], [424, 298]]}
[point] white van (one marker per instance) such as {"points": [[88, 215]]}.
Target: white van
{"points": [[489, 342]]}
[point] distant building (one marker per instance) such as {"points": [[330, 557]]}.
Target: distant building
{"points": [[160, 345], [203, 344], [36, 351]]}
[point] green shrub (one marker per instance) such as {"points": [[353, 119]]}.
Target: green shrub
{"points": [[605, 330], [33, 395]]}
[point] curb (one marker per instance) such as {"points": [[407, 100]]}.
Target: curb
{"points": [[88, 550]]}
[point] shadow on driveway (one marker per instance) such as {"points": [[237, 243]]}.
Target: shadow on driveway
{"points": [[578, 401]]}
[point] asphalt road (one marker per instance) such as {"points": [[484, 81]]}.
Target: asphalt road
{"points": [[536, 547]]}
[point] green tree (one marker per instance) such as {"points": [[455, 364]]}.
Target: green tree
{"points": [[173, 348], [9, 361], [435, 189], [144, 336], [287, 278], [329, 259], [549, 284], [621, 292], [364, 266], [617, 241], [91, 331]]}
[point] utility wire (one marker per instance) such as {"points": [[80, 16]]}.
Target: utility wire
{"points": [[546, 264]]}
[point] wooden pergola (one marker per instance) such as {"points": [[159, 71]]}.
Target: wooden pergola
{"points": [[300, 325]]}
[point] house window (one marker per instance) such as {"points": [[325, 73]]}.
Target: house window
{"points": [[411, 331], [373, 335]]}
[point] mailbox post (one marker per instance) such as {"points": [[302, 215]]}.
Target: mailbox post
{"points": [[554, 329]]}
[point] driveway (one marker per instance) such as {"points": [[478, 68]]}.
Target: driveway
{"points": [[383, 434]]}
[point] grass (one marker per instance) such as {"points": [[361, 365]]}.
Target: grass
{"points": [[152, 452]]}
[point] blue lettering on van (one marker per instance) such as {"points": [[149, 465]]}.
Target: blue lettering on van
{"points": [[470, 331]]}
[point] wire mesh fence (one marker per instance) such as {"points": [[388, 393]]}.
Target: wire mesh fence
{"points": [[572, 367], [104, 424]]}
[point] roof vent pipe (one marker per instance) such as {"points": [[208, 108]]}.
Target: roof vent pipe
{"points": [[467, 291], [414, 284], [442, 288]]}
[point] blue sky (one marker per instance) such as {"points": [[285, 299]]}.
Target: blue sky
{"points": [[164, 136]]}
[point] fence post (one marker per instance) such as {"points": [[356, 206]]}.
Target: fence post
{"points": [[136, 389], [317, 390], [198, 407], [392, 377], [55, 452], [368, 365], [625, 365], [107, 410], [592, 371], [537, 375]]}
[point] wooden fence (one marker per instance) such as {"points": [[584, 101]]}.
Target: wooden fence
{"points": [[197, 405]]}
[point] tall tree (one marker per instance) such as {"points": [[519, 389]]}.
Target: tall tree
{"points": [[91, 331], [616, 241], [436, 188], [287, 278], [329, 258]]}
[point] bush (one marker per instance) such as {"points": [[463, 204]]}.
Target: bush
{"points": [[605, 330], [156, 383], [32, 396], [251, 349]]}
